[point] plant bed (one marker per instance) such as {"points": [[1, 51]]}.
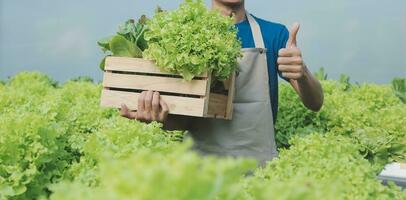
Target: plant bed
{"points": [[125, 78]]}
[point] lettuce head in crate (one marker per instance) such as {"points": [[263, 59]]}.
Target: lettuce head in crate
{"points": [[192, 40]]}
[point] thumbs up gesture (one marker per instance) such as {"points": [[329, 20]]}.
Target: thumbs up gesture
{"points": [[290, 61]]}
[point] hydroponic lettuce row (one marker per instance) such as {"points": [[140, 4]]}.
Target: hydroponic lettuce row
{"points": [[57, 143], [47, 129], [192, 40], [370, 113], [328, 163]]}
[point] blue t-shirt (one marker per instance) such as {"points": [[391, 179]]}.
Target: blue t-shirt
{"points": [[275, 38]]}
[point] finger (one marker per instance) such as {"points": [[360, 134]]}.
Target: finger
{"points": [[165, 110], [155, 106], [291, 75], [295, 60], [289, 68], [292, 42], [141, 98], [289, 52], [124, 112], [148, 101]]}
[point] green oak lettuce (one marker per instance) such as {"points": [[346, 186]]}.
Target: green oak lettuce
{"points": [[192, 40], [174, 175], [57, 142], [320, 167]]}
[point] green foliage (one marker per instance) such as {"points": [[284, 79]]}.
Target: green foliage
{"points": [[31, 153], [82, 79], [399, 85], [321, 74], [320, 167], [192, 40], [46, 130], [370, 113], [178, 174], [134, 32], [128, 42], [124, 48], [374, 116], [117, 138], [294, 119], [57, 143], [345, 81]]}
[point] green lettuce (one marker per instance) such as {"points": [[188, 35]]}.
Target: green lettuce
{"points": [[128, 42], [399, 86], [57, 142], [192, 40]]}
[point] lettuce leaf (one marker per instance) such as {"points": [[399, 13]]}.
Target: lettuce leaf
{"points": [[192, 40], [122, 47], [128, 42]]}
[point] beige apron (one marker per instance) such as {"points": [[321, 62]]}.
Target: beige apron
{"points": [[251, 132]]}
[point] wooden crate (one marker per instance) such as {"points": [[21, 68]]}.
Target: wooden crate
{"points": [[125, 78]]}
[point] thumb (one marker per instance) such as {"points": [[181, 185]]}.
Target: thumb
{"points": [[292, 35]]}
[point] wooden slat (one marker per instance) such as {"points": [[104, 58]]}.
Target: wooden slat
{"points": [[139, 65], [221, 106], [177, 105], [155, 83], [207, 95], [217, 105], [230, 97]]}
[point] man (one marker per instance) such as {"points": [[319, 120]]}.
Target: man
{"points": [[269, 49]]}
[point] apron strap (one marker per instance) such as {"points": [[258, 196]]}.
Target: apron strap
{"points": [[256, 31]]}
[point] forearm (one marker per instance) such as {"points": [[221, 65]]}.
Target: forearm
{"points": [[291, 65], [310, 91]]}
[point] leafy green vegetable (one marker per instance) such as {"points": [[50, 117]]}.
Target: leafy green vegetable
{"points": [[370, 113], [327, 162], [321, 74], [46, 131], [103, 63], [124, 48], [105, 43], [57, 143], [178, 174], [192, 40], [134, 32], [128, 42], [399, 85]]}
